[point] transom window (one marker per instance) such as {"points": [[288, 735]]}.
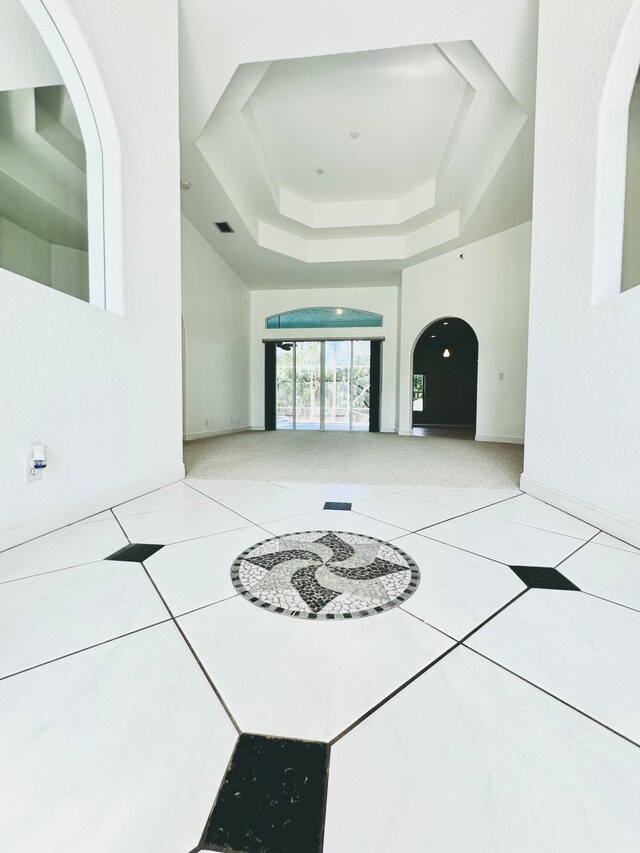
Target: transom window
{"points": [[324, 318]]}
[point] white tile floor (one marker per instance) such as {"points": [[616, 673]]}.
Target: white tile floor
{"points": [[480, 715]]}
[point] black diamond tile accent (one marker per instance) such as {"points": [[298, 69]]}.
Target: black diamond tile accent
{"points": [[337, 505], [134, 553], [540, 577], [272, 798]]}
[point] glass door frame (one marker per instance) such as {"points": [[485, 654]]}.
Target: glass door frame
{"points": [[322, 341]]}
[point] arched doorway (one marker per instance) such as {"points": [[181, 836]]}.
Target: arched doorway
{"points": [[445, 379]]}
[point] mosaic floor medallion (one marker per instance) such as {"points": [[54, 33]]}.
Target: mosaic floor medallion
{"points": [[325, 575]]}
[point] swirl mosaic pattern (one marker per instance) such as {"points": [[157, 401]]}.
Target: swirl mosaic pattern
{"points": [[325, 575]]}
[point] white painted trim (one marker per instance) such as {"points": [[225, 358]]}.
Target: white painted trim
{"points": [[387, 429], [194, 436], [501, 439], [618, 524], [29, 527]]}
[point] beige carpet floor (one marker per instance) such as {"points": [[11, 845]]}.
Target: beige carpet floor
{"points": [[343, 457]]}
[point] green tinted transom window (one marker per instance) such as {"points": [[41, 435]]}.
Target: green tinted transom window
{"points": [[324, 318]]}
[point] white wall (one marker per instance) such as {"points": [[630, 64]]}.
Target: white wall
{"points": [[100, 389], [215, 308], [23, 64], [583, 404], [381, 300], [70, 271], [60, 267], [489, 289], [24, 251]]}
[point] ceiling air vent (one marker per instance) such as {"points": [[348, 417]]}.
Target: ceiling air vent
{"points": [[224, 227]]}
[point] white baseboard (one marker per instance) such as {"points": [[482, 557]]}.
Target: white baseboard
{"points": [[194, 436], [618, 524], [388, 429], [23, 529], [501, 439]]}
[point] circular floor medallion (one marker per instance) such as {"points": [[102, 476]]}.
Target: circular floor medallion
{"points": [[325, 574]]}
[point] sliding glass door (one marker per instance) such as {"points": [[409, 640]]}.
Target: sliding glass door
{"points": [[337, 384], [308, 385], [323, 385], [361, 385]]}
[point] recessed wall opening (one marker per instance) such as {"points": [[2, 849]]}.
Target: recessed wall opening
{"points": [[631, 237], [51, 166], [445, 380]]}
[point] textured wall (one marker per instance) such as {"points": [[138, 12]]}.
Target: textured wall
{"points": [[489, 289], [215, 309], [100, 389], [583, 404]]}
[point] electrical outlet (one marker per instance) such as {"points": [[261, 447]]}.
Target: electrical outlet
{"points": [[206, 423], [33, 474], [501, 376]]}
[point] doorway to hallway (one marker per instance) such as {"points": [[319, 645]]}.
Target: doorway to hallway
{"points": [[324, 385], [444, 380]]}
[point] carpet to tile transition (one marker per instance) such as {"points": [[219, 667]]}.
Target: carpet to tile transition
{"points": [[351, 457]]}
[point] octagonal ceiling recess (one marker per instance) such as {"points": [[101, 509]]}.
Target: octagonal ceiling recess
{"points": [[435, 123]]}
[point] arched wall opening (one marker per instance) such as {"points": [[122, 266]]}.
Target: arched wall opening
{"points": [[445, 375], [64, 40], [616, 260], [80, 376]]}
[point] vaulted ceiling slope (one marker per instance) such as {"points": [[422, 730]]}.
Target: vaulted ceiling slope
{"points": [[346, 142]]}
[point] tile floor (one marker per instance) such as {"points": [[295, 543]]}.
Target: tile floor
{"points": [[490, 711]]}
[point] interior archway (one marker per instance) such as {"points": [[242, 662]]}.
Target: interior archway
{"points": [[445, 379]]}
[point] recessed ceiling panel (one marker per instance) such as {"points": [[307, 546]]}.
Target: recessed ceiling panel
{"points": [[376, 123], [340, 164]]}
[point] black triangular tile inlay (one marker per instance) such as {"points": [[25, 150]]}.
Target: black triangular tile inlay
{"points": [[337, 505], [272, 798], [540, 577], [135, 553]]}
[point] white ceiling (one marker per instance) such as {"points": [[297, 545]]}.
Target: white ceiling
{"points": [[402, 102], [444, 154]]}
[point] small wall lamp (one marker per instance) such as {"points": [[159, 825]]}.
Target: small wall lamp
{"points": [[446, 354]]}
